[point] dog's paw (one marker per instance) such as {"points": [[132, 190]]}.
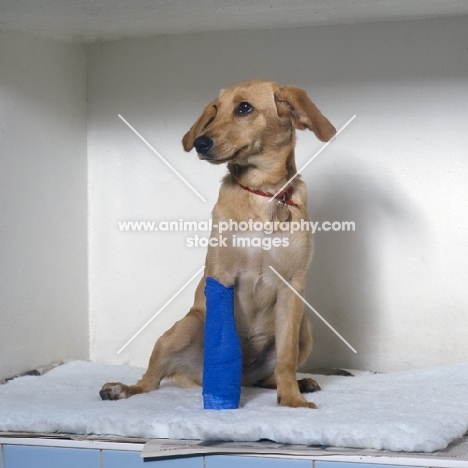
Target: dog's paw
{"points": [[113, 391], [343, 373], [296, 403], [331, 371], [308, 385]]}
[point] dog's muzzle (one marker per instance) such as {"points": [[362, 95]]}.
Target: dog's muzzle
{"points": [[203, 144]]}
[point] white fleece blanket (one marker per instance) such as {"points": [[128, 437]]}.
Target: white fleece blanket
{"points": [[420, 410]]}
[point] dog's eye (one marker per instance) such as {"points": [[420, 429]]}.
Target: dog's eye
{"points": [[244, 108]]}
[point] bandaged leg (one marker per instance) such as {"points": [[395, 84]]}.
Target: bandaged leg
{"points": [[222, 365]]}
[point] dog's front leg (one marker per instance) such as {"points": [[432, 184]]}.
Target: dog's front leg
{"points": [[289, 314]]}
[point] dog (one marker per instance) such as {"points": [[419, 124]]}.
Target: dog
{"points": [[251, 127]]}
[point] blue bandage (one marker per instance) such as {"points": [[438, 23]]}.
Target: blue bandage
{"points": [[222, 364]]}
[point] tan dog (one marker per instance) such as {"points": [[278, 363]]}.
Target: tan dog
{"points": [[251, 127]]}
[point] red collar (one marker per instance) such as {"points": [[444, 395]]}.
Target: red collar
{"points": [[284, 195]]}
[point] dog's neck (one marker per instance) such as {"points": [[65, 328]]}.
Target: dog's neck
{"points": [[268, 172]]}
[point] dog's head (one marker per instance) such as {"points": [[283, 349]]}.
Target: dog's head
{"points": [[253, 116]]}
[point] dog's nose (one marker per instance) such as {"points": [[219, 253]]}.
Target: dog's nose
{"points": [[203, 144]]}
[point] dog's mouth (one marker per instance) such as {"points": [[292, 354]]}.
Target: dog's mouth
{"points": [[213, 160]]}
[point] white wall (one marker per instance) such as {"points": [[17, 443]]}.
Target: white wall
{"points": [[43, 203], [395, 288]]}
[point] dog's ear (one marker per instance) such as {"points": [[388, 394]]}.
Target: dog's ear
{"points": [[294, 103], [203, 121]]}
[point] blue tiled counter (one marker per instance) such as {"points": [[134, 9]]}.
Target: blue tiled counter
{"points": [[57, 453], [26, 456]]}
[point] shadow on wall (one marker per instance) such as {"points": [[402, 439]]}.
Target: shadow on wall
{"points": [[344, 283]]}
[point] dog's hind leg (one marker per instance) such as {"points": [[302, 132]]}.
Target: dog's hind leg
{"points": [[177, 354]]}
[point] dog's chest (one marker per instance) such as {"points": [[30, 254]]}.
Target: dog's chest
{"points": [[259, 248]]}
